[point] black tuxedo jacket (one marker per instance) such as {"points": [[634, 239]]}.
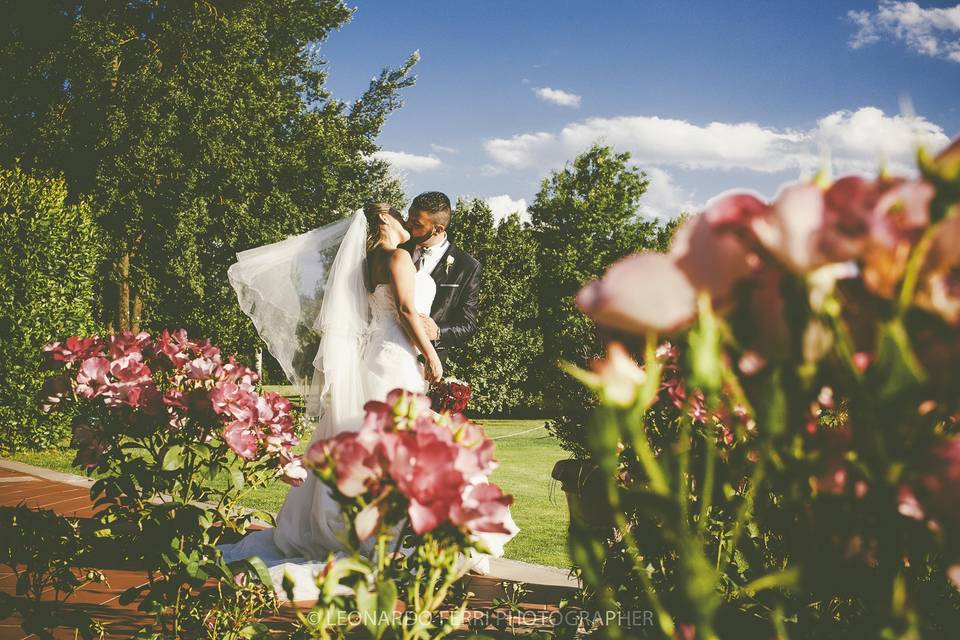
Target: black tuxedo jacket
{"points": [[458, 295]]}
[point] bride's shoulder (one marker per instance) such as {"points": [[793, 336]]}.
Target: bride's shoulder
{"points": [[400, 256]]}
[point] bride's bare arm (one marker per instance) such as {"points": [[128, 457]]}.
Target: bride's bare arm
{"points": [[402, 274]]}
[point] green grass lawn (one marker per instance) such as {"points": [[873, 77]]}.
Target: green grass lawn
{"points": [[539, 508]]}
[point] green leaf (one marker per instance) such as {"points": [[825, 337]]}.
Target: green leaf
{"points": [[259, 569], [376, 606], [236, 479], [771, 407], [706, 363], [173, 458], [254, 630], [896, 363], [341, 568]]}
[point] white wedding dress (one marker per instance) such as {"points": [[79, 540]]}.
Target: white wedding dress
{"points": [[310, 524]]}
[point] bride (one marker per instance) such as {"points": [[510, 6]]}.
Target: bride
{"points": [[350, 285]]}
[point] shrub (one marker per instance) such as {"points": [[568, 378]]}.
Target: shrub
{"points": [[168, 425], [48, 257], [45, 552]]}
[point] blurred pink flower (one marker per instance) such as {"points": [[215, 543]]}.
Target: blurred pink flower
{"points": [[939, 285], [713, 259], [475, 455], [791, 229], [850, 204], [621, 299], [423, 468], [174, 346], [369, 519], [897, 222]]}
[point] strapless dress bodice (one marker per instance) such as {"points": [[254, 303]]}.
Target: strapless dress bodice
{"points": [[383, 305]]}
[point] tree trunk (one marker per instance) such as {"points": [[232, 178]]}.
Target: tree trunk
{"points": [[137, 311], [259, 361], [123, 297]]}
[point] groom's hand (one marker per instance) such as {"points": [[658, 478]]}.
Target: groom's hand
{"points": [[433, 331]]}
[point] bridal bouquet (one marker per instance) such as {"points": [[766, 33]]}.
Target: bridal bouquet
{"points": [[450, 395], [418, 480], [794, 471]]}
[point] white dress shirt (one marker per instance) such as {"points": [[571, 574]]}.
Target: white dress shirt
{"points": [[433, 256]]}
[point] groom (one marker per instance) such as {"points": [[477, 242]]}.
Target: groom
{"points": [[453, 316]]}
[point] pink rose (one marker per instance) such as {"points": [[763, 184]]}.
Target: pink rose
{"points": [[201, 368], [368, 520], [357, 467], [232, 400], [482, 508], [292, 470], [791, 229], [241, 439], [126, 343], [424, 470], [92, 376], [713, 258], [175, 346], [75, 348]]}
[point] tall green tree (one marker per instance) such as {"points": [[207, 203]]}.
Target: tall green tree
{"points": [[585, 217], [198, 128], [497, 359]]}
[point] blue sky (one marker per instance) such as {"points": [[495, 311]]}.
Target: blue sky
{"points": [[706, 95]]}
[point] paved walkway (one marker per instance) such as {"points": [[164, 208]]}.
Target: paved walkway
{"points": [[69, 495]]}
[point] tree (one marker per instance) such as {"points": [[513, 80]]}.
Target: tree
{"points": [[584, 218], [198, 129], [48, 256], [497, 359]]}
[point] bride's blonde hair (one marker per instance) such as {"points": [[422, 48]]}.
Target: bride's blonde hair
{"points": [[372, 211]]}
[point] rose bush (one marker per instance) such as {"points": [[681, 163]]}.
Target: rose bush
{"points": [[414, 484], [794, 472], [176, 434]]}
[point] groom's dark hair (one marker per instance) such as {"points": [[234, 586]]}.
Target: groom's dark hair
{"points": [[436, 204]]}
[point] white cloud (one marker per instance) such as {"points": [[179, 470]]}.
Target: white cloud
{"points": [[933, 32], [663, 198], [503, 206], [558, 96], [857, 140], [403, 161], [439, 148], [520, 151]]}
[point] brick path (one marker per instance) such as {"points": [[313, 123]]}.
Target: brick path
{"points": [[69, 495]]}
